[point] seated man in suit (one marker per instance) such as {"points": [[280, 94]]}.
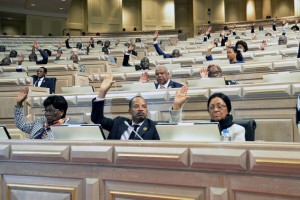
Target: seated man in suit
{"points": [[136, 128], [162, 78], [40, 80], [298, 110], [175, 52]]}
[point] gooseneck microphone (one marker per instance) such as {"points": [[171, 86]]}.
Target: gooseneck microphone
{"points": [[136, 134]]}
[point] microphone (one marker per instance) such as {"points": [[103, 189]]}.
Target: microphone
{"points": [[136, 134]]}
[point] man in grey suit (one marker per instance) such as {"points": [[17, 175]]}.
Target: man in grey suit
{"points": [[121, 128]]}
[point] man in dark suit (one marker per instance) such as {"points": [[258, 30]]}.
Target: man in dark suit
{"points": [[162, 78], [136, 128], [175, 52], [40, 80]]}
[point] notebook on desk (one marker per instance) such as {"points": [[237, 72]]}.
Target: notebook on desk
{"points": [[4, 135], [78, 132], [192, 132]]}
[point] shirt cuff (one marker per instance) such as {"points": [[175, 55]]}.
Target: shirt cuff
{"points": [[19, 67], [99, 99], [155, 42]]}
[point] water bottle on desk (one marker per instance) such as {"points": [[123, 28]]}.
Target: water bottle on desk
{"points": [[225, 135]]}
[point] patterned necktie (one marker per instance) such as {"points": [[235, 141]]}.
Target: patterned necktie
{"points": [[162, 87], [133, 134]]}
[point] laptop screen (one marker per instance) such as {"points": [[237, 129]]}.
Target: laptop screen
{"points": [[4, 135], [192, 132], [78, 132]]}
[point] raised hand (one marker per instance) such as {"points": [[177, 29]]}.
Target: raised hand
{"points": [[263, 45], [155, 35], [22, 96], [203, 73], [21, 58], [180, 97], [144, 77], [105, 85], [228, 43]]}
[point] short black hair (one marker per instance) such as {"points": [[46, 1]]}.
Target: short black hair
{"points": [[223, 97], [58, 102], [243, 43], [45, 69], [131, 100]]}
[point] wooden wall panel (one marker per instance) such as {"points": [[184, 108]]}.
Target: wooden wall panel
{"points": [[106, 13], [158, 14], [270, 171], [132, 16], [77, 15]]}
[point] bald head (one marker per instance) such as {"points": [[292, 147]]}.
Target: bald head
{"points": [[162, 75]]}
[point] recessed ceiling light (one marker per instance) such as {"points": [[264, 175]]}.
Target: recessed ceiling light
{"points": [[63, 0], [61, 8], [33, 4]]}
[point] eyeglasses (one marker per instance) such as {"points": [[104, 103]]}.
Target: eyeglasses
{"points": [[51, 111], [218, 106]]}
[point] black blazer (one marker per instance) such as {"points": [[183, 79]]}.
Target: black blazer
{"points": [[172, 84], [47, 83], [116, 126]]}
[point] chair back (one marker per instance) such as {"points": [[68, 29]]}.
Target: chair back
{"points": [[250, 126]]}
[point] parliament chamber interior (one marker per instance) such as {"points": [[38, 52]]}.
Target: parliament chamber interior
{"points": [[80, 160]]}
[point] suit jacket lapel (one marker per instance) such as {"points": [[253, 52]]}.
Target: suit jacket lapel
{"points": [[44, 82], [143, 129]]}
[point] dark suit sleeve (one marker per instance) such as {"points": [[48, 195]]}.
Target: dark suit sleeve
{"points": [[125, 60], [160, 52], [297, 116], [45, 57], [274, 26], [98, 117], [52, 86], [209, 57], [298, 56], [67, 44]]}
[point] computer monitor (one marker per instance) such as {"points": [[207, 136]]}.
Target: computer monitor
{"points": [[78, 132], [207, 82], [150, 86], [192, 132], [84, 89], [4, 135]]}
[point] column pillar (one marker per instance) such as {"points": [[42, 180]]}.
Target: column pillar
{"points": [[267, 8], [250, 10], [296, 8]]}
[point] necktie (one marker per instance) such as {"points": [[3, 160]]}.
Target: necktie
{"points": [[37, 83], [132, 134], [162, 87]]}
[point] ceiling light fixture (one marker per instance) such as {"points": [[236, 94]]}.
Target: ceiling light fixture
{"points": [[61, 8], [33, 4]]}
